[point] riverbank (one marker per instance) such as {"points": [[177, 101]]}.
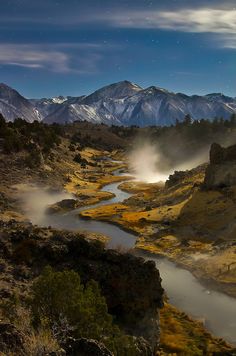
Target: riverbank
{"points": [[116, 210], [76, 183], [182, 223]]}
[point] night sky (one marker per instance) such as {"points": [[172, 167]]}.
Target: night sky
{"points": [[72, 47]]}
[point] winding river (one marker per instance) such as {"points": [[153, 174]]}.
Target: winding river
{"points": [[217, 310]]}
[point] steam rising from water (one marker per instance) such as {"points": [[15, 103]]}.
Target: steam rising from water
{"points": [[148, 164], [36, 199], [143, 163]]}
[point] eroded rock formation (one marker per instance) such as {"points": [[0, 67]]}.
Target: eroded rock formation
{"points": [[221, 172]]}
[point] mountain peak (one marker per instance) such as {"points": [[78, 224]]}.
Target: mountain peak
{"points": [[59, 99], [4, 86], [220, 97], [121, 103], [117, 90], [124, 84], [127, 83]]}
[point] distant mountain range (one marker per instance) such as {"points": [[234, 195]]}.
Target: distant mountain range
{"points": [[122, 103]]}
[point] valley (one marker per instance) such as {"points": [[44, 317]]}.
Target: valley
{"points": [[117, 178], [137, 233], [100, 200]]}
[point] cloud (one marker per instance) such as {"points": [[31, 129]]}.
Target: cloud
{"points": [[34, 56], [62, 58], [186, 20], [200, 19], [218, 22], [17, 64]]}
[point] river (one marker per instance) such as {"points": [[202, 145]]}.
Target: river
{"points": [[217, 310]]}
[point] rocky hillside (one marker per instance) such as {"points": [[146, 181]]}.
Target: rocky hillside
{"points": [[192, 219], [122, 103], [131, 286]]}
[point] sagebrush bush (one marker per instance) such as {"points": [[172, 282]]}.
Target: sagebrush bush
{"points": [[57, 294], [61, 302]]}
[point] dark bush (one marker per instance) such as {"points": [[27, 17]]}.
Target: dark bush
{"points": [[60, 296]]}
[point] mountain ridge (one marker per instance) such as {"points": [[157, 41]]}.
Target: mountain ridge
{"points": [[122, 103]]}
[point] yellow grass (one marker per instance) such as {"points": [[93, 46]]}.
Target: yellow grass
{"points": [[183, 336]]}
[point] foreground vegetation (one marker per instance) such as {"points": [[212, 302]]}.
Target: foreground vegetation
{"points": [[58, 307]]}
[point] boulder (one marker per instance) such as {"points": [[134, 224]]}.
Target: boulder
{"points": [[63, 205], [221, 172]]}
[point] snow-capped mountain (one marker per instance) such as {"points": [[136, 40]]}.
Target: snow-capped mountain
{"points": [[47, 106], [13, 105], [102, 106], [125, 103], [122, 103], [221, 98]]}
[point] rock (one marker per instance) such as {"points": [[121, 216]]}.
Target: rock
{"points": [[179, 176], [86, 347], [67, 203], [221, 172], [176, 178], [143, 348], [11, 340], [220, 154], [216, 154], [63, 205]]}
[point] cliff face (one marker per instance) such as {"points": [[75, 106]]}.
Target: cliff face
{"points": [[131, 286], [221, 171]]}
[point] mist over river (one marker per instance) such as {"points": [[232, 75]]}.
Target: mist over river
{"points": [[215, 309]]}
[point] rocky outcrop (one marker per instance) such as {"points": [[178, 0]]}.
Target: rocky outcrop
{"points": [[180, 176], [176, 178], [221, 172], [63, 205], [131, 285]]}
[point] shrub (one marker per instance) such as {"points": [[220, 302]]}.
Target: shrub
{"points": [[78, 158], [72, 147], [57, 294], [12, 141], [59, 299], [34, 159], [20, 134], [24, 251]]}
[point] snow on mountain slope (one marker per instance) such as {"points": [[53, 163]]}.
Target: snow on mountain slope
{"points": [[79, 112], [125, 103], [114, 91], [221, 98], [46, 107], [13, 105], [122, 103]]}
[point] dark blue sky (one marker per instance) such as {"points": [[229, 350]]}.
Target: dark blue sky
{"points": [[72, 47]]}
